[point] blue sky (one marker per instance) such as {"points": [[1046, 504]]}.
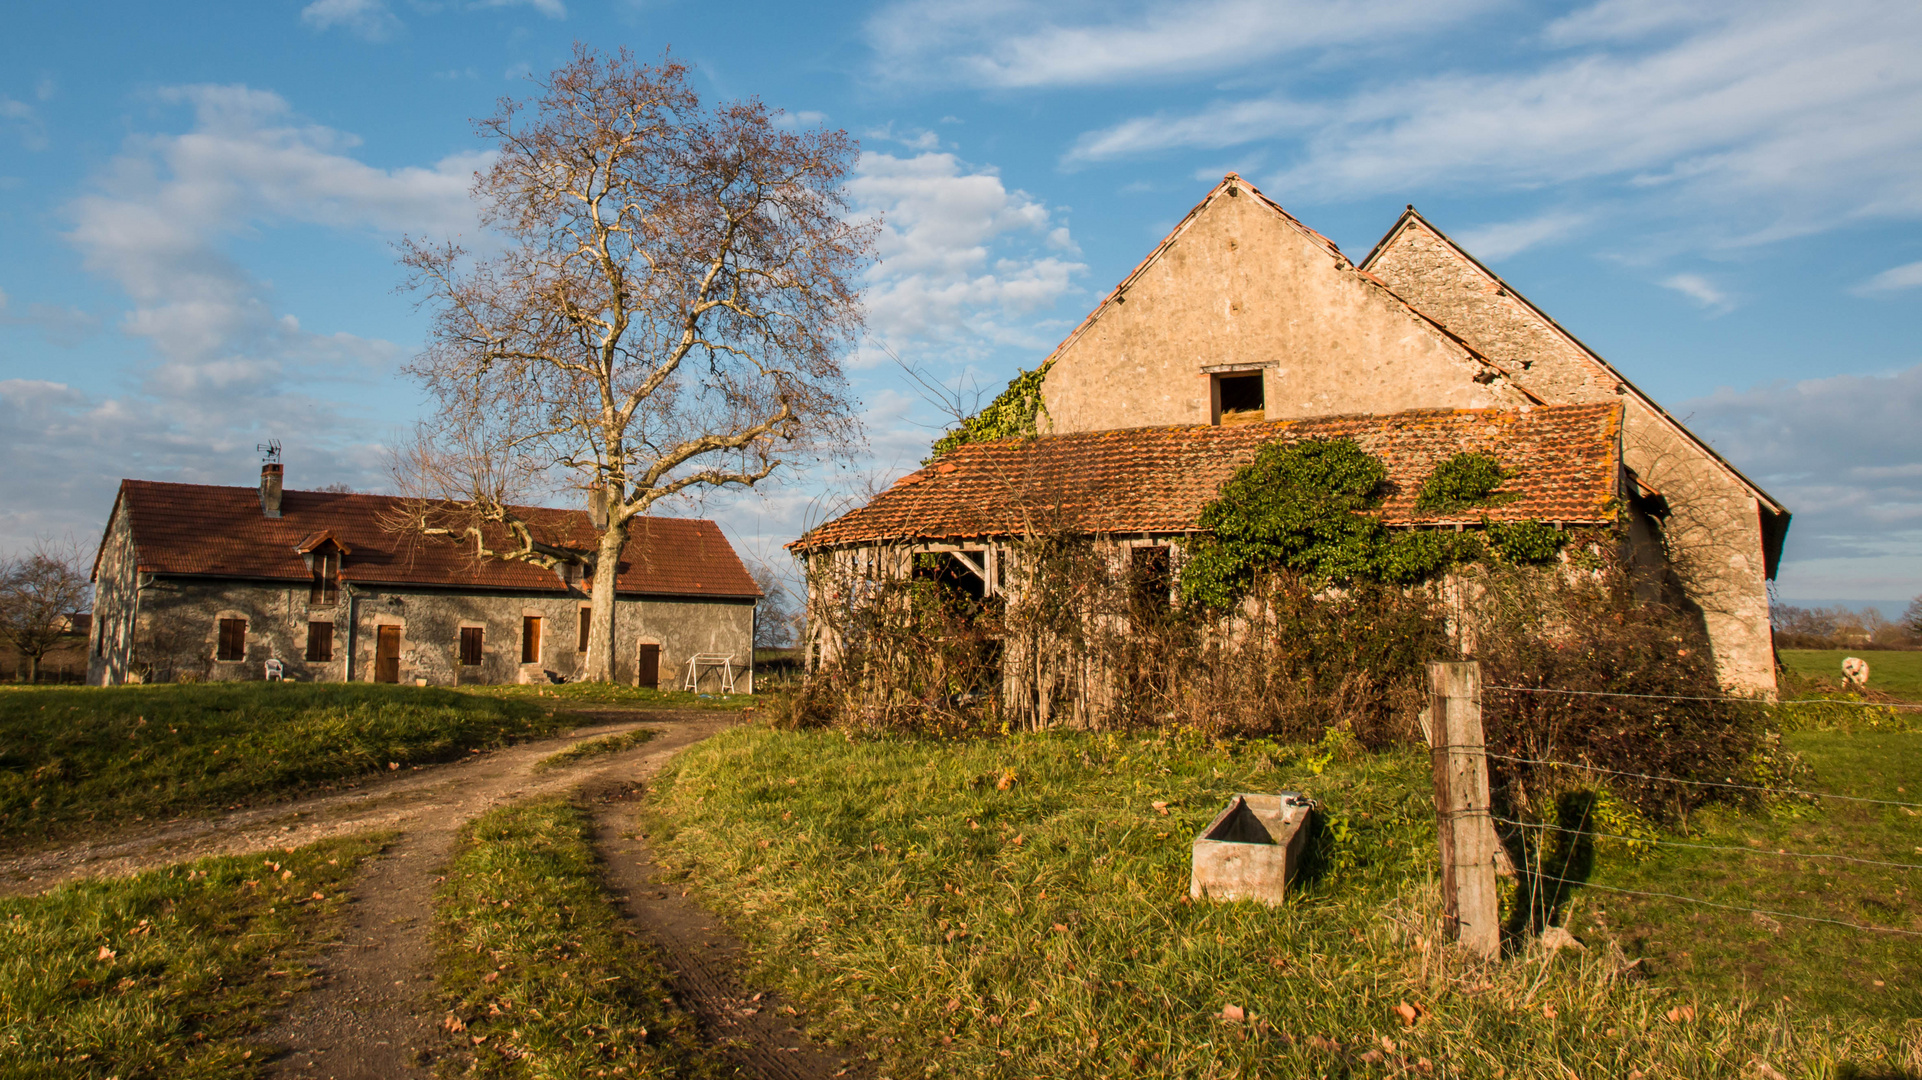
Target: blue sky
{"points": [[198, 204]]}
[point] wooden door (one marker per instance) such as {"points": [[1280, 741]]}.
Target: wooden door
{"points": [[649, 674], [387, 655]]}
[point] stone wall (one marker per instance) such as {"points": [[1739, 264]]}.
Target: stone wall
{"points": [[179, 618], [116, 603], [1712, 531], [1240, 284]]}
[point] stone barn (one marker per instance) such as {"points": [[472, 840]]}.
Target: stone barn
{"points": [[203, 582], [1245, 325]]}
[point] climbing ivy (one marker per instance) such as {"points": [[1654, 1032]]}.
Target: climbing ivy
{"points": [[1465, 480], [1301, 507], [1011, 415]]}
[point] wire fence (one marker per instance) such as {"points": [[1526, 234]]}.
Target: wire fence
{"points": [[1540, 828]]}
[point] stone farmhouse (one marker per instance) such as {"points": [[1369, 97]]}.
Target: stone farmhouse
{"points": [[1244, 325], [196, 581]]}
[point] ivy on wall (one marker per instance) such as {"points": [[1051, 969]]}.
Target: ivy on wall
{"points": [[1011, 415], [1303, 507]]}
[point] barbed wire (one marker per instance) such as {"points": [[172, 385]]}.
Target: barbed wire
{"points": [[1703, 783], [1778, 853], [1734, 907], [1687, 697]]}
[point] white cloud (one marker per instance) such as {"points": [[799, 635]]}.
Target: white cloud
{"points": [[1844, 454], [226, 369], [1796, 116], [1906, 276], [370, 19], [1496, 242], [25, 122], [1701, 290], [963, 259], [553, 9], [1012, 43], [160, 210]]}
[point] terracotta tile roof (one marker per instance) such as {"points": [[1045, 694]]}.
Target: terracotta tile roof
{"points": [[220, 532], [1566, 462]]}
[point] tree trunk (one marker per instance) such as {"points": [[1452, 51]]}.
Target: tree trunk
{"points": [[33, 667], [601, 644]]}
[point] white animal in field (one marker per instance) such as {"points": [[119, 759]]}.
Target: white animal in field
{"points": [[1856, 670]]}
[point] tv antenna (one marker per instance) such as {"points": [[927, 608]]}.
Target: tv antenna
{"points": [[269, 451]]}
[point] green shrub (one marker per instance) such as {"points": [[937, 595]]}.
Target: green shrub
{"points": [[1465, 480], [1013, 414]]}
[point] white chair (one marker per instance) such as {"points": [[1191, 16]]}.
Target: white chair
{"points": [[700, 662], [276, 672]]}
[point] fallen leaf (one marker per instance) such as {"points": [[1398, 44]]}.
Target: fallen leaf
{"points": [[492, 976], [1388, 1044], [1018, 839], [454, 1023], [1062, 928], [392, 765], [1160, 807], [1767, 1071], [1371, 1056], [1549, 1011], [1008, 780], [1316, 1042], [320, 896], [106, 954], [1680, 1014], [1233, 1013], [1410, 1014]]}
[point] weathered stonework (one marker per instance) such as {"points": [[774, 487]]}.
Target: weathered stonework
{"points": [[1716, 528], [179, 617], [1239, 282]]}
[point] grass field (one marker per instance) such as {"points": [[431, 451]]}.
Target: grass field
{"points": [[541, 977], [599, 747], [970, 908], [1892, 672], [74, 756], [166, 974], [1822, 967]]}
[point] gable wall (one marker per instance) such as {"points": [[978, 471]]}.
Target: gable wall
{"points": [[1713, 531], [1241, 284], [116, 602]]}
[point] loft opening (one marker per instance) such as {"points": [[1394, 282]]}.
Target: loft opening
{"points": [[1240, 397]]}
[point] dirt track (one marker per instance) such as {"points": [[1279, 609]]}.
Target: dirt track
{"points": [[373, 1012]]}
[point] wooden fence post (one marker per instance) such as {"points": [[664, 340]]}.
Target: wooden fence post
{"points": [[1471, 909]]}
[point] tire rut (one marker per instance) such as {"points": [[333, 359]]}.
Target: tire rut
{"points": [[762, 1036]]}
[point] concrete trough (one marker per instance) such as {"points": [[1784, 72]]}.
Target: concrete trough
{"points": [[1252, 850]]}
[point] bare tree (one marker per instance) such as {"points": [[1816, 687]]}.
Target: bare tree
{"points": [[678, 287], [777, 617], [40, 592]]}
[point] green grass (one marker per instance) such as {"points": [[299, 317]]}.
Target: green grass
{"points": [[959, 929], [1823, 968], [74, 756], [166, 974], [1890, 671], [587, 748], [634, 697], [541, 976]]}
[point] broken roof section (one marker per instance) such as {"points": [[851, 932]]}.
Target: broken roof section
{"points": [[1566, 463]]}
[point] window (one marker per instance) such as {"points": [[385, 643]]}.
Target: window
{"points": [[233, 640], [585, 627], [530, 639], [470, 646], [320, 642], [326, 588], [1239, 398]]}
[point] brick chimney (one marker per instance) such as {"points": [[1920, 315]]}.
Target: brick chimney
{"points": [[270, 489]]}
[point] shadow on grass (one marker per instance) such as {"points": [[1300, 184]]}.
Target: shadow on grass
{"points": [[1551, 863]]}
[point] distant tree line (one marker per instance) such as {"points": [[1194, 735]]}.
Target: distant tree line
{"points": [[1837, 627]]}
